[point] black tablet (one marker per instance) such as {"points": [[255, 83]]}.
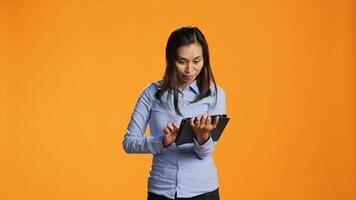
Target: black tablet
{"points": [[186, 133]]}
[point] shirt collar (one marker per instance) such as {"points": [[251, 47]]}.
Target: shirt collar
{"points": [[193, 86]]}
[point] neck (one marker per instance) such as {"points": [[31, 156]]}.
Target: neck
{"points": [[183, 85]]}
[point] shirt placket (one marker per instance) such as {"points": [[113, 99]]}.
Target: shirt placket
{"points": [[182, 107]]}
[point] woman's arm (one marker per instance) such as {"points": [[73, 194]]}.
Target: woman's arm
{"points": [[203, 150], [134, 140]]}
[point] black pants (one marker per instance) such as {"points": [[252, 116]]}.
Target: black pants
{"points": [[214, 195]]}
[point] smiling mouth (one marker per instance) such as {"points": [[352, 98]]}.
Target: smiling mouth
{"points": [[188, 77]]}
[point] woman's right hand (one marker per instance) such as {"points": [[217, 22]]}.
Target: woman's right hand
{"points": [[170, 133]]}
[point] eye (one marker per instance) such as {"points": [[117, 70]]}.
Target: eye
{"points": [[181, 62], [197, 61]]}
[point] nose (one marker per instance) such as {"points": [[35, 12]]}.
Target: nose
{"points": [[189, 67]]}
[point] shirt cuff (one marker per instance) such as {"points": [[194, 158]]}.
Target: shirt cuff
{"points": [[156, 144], [206, 146]]}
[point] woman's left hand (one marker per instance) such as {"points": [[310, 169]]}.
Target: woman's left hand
{"points": [[202, 126]]}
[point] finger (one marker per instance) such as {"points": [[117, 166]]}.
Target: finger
{"points": [[216, 121], [203, 119], [166, 131], [176, 126], [208, 120], [198, 120], [192, 121], [170, 127]]}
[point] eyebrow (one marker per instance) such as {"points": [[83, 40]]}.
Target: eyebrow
{"points": [[187, 59]]}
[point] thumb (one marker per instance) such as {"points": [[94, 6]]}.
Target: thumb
{"points": [[215, 122]]}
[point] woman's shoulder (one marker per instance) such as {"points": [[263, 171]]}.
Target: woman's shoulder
{"points": [[151, 87], [219, 89], [156, 83]]}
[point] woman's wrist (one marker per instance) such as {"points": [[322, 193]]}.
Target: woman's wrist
{"points": [[164, 145], [202, 138]]}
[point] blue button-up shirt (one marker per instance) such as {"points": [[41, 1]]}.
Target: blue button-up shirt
{"points": [[186, 170]]}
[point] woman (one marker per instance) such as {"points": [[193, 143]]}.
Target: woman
{"points": [[188, 89]]}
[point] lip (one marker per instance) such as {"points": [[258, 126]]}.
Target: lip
{"points": [[188, 77]]}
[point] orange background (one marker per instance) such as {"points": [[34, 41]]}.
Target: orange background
{"points": [[71, 72]]}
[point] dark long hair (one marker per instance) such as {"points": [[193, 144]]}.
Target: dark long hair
{"points": [[184, 36]]}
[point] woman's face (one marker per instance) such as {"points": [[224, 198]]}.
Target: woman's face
{"points": [[189, 63]]}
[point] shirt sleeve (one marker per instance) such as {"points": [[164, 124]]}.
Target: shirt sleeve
{"points": [[134, 140], [220, 107], [205, 150]]}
